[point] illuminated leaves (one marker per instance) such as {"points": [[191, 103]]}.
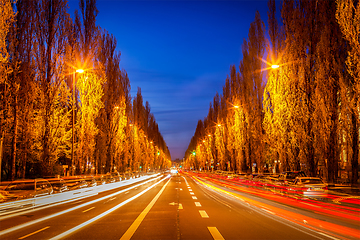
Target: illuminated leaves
{"points": [[6, 19], [90, 90]]}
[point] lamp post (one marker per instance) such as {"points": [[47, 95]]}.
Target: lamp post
{"points": [[73, 115]]}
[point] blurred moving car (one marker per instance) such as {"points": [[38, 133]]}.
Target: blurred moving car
{"points": [[100, 180], [22, 189], [128, 175], [287, 178], [109, 178], [90, 180], [117, 177], [58, 185], [312, 187], [75, 182]]}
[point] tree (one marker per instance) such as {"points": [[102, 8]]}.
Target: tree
{"points": [[6, 21], [348, 18], [91, 92]]}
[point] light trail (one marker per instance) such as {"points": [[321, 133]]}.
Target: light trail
{"points": [[312, 223], [74, 229], [18, 227]]}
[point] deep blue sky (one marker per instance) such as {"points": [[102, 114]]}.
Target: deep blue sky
{"points": [[179, 54]]}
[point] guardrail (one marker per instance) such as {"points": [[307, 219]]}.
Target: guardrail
{"points": [[7, 208]]}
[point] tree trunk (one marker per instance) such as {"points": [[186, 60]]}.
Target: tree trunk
{"points": [[355, 147], [14, 141]]}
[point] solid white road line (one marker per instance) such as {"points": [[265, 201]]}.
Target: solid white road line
{"points": [[215, 233], [130, 232]]}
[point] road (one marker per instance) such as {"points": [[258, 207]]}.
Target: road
{"points": [[168, 207]]}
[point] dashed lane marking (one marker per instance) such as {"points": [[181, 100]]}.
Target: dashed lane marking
{"points": [[180, 206], [215, 233], [34, 232], [197, 204], [193, 197], [88, 209], [203, 214]]}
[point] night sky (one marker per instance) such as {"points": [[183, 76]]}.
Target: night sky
{"points": [[179, 53]]}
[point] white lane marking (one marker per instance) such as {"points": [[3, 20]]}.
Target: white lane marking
{"points": [[191, 193], [215, 233], [88, 209], [203, 214], [72, 230], [197, 204], [126, 193], [34, 232], [190, 190], [193, 197], [6, 231], [130, 232], [180, 206]]}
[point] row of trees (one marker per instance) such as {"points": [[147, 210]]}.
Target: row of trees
{"points": [[303, 114], [52, 117]]}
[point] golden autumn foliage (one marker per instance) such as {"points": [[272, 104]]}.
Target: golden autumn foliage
{"points": [[302, 115], [37, 105], [6, 19]]}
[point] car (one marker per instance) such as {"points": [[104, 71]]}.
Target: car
{"points": [[22, 189], [287, 178], [312, 187], [58, 185], [75, 182], [129, 175], [117, 177], [91, 181], [100, 180], [109, 178]]}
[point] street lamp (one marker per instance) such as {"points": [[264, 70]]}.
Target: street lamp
{"points": [[275, 66], [73, 114]]}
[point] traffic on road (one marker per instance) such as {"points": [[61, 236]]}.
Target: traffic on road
{"points": [[187, 205]]}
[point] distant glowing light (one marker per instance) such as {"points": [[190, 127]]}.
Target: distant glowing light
{"points": [[79, 70], [275, 66]]}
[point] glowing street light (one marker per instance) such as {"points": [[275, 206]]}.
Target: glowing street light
{"points": [[275, 66]]}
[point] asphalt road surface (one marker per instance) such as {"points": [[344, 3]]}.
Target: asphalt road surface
{"points": [[168, 207]]}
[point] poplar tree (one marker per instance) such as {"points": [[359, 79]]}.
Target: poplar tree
{"points": [[348, 18]]}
